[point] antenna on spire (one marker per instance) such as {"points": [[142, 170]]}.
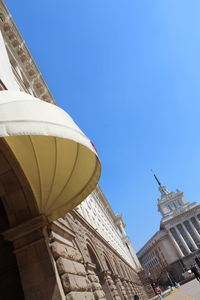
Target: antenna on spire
{"points": [[156, 178]]}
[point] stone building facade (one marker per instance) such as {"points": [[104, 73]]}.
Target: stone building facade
{"points": [[88, 266], [85, 254], [175, 246]]}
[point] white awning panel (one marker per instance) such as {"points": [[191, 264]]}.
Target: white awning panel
{"points": [[58, 160]]}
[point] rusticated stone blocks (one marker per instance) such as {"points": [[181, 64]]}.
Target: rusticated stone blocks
{"points": [[128, 291], [80, 296], [60, 250], [93, 278], [71, 267], [99, 294], [73, 282], [78, 275], [112, 287], [96, 286], [122, 288]]}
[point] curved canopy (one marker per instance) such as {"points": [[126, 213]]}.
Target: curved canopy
{"points": [[58, 160]]}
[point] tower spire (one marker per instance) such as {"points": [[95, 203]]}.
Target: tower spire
{"points": [[156, 178], [163, 190]]}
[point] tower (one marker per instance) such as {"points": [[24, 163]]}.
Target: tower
{"points": [[170, 203], [176, 245]]}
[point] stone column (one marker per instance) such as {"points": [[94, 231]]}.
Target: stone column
{"points": [[195, 231], [189, 237], [182, 239], [175, 244], [197, 219], [36, 265]]}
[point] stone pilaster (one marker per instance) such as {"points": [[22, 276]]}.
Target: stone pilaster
{"points": [[128, 291], [94, 282], [134, 289], [121, 287], [110, 285], [131, 288], [137, 291], [69, 263], [37, 270], [118, 285]]}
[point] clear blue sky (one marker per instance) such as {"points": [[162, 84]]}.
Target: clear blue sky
{"points": [[128, 72]]}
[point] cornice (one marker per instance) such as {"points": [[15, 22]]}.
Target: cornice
{"points": [[105, 202], [76, 214], [16, 44], [188, 210], [169, 197], [152, 242]]}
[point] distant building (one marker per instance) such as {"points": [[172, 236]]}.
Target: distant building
{"points": [[50, 248], [174, 247]]}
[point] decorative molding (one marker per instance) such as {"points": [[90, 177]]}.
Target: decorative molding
{"points": [[25, 228], [16, 44]]}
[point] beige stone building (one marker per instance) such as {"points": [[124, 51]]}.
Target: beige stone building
{"points": [[172, 249], [45, 252]]}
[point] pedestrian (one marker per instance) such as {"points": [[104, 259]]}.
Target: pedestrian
{"points": [[176, 285], [195, 272], [159, 292], [136, 297]]}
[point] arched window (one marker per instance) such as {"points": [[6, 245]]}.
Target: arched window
{"points": [[94, 259], [110, 268]]}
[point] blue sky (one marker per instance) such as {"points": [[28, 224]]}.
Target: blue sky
{"points": [[128, 72]]}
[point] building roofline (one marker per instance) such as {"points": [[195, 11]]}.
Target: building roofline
{"points": [[17, 44], [162, 232]]}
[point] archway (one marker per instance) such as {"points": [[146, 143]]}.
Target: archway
{"points": [[99, 272], [109, 265], [94, 260], [113, 278], [119, 273], [123, 271]]}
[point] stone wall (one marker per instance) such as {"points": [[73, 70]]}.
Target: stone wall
{"points": [[88, 267]]}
